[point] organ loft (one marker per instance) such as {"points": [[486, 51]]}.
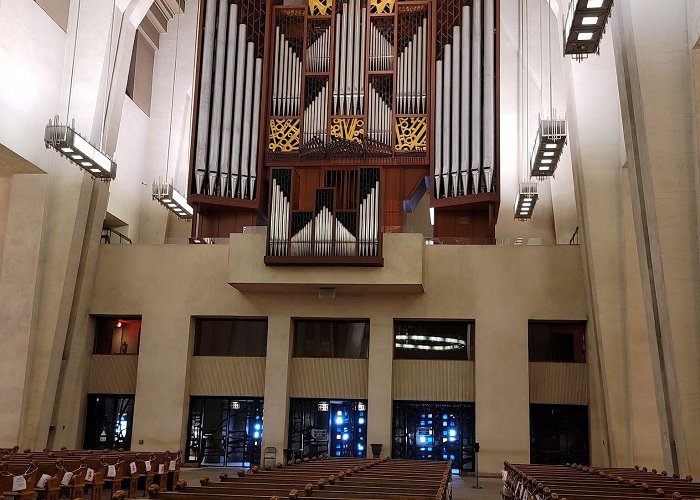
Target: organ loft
{"points": [[328, 121]]}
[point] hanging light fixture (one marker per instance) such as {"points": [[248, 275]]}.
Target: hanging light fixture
{"points": [[164, 192], [526, 198], [171, 199], [584, 27], [72, 145], [551, 132], [525, 201]]}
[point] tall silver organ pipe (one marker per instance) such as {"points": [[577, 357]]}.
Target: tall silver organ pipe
{"points": [[465, 117], [217, 99], [489, 125], [229, 106], [381, 50], [316, 118], [318, 53], [204, 112], [230, 78], [477, 111], [279, 213], [348, 90], [411, 83], [286, 93], [379, 117], [464, 130]]}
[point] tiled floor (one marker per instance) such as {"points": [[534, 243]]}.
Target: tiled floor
{"points": [[462, 488]]}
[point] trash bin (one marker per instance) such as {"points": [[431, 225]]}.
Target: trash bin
{"points": [[376, 449]]}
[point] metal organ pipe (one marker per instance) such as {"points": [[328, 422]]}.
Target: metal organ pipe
{"points": [[464, 109], [440, 178], [348, 90], [217, 99], [238, 111], [205, 94], [247, 118], [255, 129], [230, 77], [446, 112], [456, 90], [489, 92], [476, 95]]}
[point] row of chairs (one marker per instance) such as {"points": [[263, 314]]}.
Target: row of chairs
{"points": [[577, 482], [75, 474], [324, 479]]}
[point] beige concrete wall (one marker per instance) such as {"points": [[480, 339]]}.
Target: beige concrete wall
{"points": [[169, 284], [327, 377]]}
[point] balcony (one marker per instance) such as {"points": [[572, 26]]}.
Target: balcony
{"points": [[402, 271]]}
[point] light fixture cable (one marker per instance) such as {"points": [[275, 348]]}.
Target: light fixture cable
{"points": [[172, 95], [72, 68]]}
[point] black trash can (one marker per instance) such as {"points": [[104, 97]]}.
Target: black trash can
{"points": [[376, 449]]}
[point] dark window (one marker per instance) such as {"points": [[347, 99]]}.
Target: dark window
{"points": [[559, 434], [230, 337], [117, 335], [225, 431], [434, 340], [557, 342], [108, 421], [331, 339], [336, 427], [428, 430]]}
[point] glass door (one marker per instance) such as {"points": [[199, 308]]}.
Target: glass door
{"points": [[108, 421]]}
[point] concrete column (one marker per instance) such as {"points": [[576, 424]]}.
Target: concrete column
{"points": [[594, 125], [500, 391], [379, 390], [657, 115], [161, 406], [18, 286], [276, 403]]}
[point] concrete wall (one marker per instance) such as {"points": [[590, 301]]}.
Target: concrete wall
{"points": [[167, 285]]}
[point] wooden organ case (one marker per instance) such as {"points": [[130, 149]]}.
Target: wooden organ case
{"points": [[321, 120]]}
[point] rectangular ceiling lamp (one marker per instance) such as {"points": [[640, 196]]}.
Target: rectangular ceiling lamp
{"points": [[70, 144], [526, 200], [549, 144], [584, 27], [171, 199]]}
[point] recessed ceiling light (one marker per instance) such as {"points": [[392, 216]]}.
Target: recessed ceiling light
{"points": [[551, 146], [544, 167], [586, 35], [85, 163], [548, 154], [594, 4], [67, 150], [546, 161], [76, 157], [590, 20]]}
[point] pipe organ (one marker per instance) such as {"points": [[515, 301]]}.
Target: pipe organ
{"points": [[320, 120]]}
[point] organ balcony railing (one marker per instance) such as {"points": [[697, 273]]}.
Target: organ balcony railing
{"points": [[338, 222]]}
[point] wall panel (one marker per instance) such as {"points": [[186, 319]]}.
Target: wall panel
{"points": [[328, 378], [227, 376], [559, 383], [433, 380], [113, 374]]}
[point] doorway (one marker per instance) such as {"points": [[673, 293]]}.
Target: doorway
{"points": [[225, 432]]}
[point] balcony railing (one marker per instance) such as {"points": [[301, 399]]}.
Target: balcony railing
{"points": [[114, 237]]}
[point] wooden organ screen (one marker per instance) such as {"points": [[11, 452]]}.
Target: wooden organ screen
{"points": [[395, 95]]}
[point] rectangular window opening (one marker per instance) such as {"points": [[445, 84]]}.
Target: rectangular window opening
{"points": [[241, 337], [558, 342], [436, 339], [331, 339], [117, 335]]}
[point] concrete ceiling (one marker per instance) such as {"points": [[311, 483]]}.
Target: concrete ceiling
{"points": [[11, 163]]}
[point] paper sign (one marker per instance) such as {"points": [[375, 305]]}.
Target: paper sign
{"points": [[161, 468], [172, 465], [66, 478], [111, 471], [132, 467], [19, 483], [89, 475], [148, 465], [41, 483]]}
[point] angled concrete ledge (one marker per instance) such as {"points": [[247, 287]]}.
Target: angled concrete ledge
{"points": [[402, 271]]}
